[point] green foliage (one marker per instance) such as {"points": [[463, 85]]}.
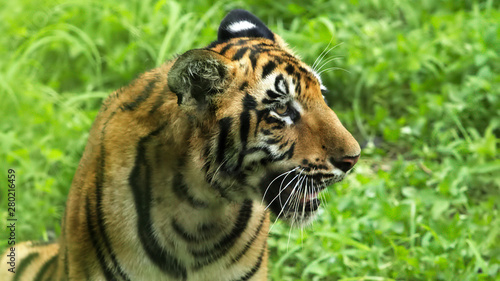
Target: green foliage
{"points": [[417, 82]]}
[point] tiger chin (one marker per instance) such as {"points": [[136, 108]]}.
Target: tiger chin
{"points": [[183, 165]]}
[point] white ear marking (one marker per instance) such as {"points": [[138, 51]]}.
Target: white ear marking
{"points": [[240, 25]]}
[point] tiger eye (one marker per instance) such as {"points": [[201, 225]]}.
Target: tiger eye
{"points": [[281, 109]]}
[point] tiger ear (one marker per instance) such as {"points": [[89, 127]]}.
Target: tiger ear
{"points": [[197, 75], [241, 23]]}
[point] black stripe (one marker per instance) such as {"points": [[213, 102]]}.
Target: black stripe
{"points": [[265, 132], [160, 100], [298, 88], [23, 264], [140, 182], [108, 274], [302, 69], [188, 237], [182, 192], [278, 59], [225, 49], [279, 79], [241, 42], [269, 101], [101, 228], [288, 153], [52, 271], [274, 140], [283, 145], [273, 95], [268, 68], [260, 115], [270, 157], [250, 242], [240, 53], [244, 128], [209, 227], [258, 149], [219, 249], [243, 86], [224, 127], [263, 44], [254, 55], [298, 76], [290, 57], [44, 268], [274, 120], [256, 267], [220, 189], [129, 106], [204, 232], [249, 102], [244, 131], [289, 69]]}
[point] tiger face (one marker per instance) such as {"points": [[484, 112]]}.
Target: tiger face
{"points": [[260, 117]]}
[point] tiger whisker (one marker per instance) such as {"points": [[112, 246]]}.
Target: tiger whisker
{"points": [[299, 182], [306, 191], [279, 193], [334, 68], [287, 173], [295, 189], [322, 195], [281, 204], [218, 169], [314, 190], [323, 55], [281, 190], [320, 57], [328, 61]]}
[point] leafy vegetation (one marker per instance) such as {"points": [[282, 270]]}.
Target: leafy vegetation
{"points": [[417, 82]]}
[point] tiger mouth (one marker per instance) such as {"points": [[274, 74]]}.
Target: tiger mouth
{"points": [[293, 195]]}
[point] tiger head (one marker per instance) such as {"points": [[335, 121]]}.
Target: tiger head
{"points": [[260, 120]]}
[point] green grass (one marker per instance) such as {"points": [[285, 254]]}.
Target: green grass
{"points": [[418, 83]]}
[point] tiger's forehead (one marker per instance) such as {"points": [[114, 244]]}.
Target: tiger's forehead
{"points": [[266, 58]]}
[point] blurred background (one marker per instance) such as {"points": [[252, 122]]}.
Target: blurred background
{"points": [[416, 82]]}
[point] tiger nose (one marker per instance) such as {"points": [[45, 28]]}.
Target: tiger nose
{"points": [[346, 163]]}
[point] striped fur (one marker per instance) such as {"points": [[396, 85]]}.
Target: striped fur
{"points": [[182, 166]]}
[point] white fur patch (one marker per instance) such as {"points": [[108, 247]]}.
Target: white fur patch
{"points": [[240, 25], [282, 87], [286, 119], [322, 87], [317, 76], [298, 107]]}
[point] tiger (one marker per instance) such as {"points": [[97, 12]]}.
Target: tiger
{"points": [[183, 166]]}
